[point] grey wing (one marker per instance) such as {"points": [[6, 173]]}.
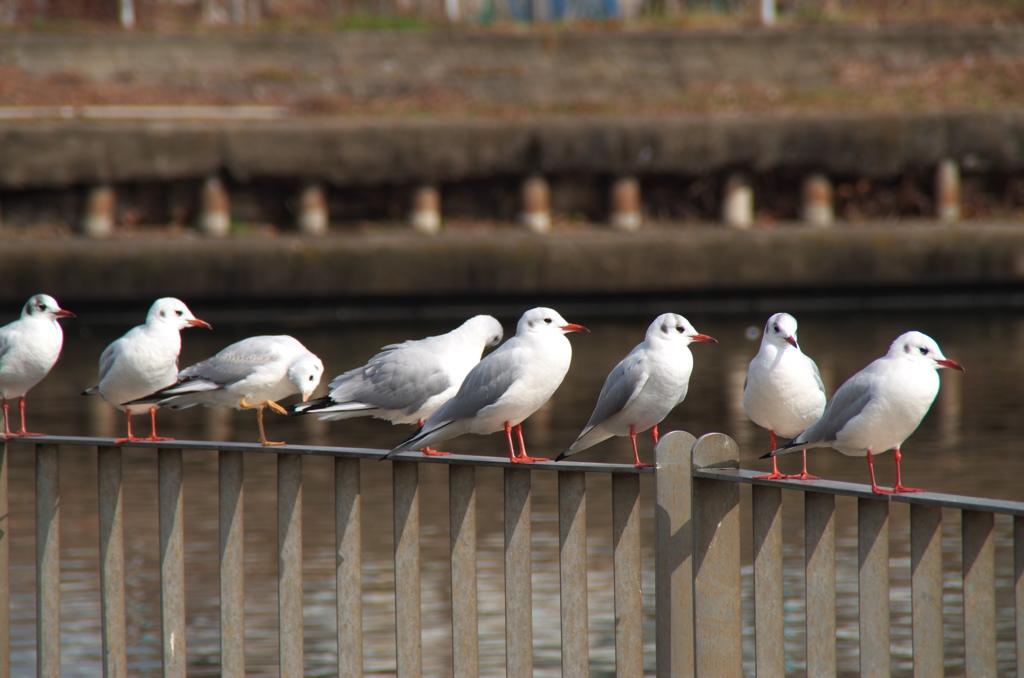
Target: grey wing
{"points": [[621, 386], [217, 370], [814, 371], [849, 401], [107, 359], [402, 380], [485, 384], [234, 363], [4, 345]]}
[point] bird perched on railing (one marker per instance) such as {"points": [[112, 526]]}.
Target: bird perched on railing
{"points": [[252, 373], [783, 391], [405, 383], [878, 408], [644, 387], [29, 348], [143, 360], [506, 387]]}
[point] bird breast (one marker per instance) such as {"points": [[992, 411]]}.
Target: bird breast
{"points": [[34, 348], [540, 374], [782, 393], [902, 399]]}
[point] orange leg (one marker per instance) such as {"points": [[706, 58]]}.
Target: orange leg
{"points": [[430, 452], [263, 435], [522, 447], [774, 475], [654, 433], [23, 433], [259, 416], [636, 455], [152, 426], [874, 486], [511, 450], [7, 421], [522, 459], [804, 475], [898, 487], [130, 438]]}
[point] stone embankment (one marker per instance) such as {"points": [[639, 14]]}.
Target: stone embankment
{"points": [[698, 267], [547, 128]]}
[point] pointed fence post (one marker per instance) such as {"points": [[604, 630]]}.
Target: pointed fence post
{"points": [[673, 555], [718, 628]]}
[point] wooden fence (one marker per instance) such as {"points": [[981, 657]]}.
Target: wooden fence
{"points": [[698, 609]]}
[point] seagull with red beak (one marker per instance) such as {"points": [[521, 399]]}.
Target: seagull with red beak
{"points": [[145, 360], [506, 387], [29, 348], [783, 391], [878, 408], [644, 387]]}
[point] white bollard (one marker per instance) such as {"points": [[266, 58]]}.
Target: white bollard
{"points": [[426, 210], [738, 202], [536, 214], [214, 209], [625, 203], [98, 221], [818, 209], [947, 191], [313, 214]]}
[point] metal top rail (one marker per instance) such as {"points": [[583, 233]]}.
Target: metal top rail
{"points": [[954, 501], [350, 452]]}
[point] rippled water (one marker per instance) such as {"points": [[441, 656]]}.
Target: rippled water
{"points": [[969, 444]]}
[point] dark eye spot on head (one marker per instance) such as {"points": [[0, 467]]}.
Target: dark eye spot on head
{"points": [[311, 377], [179, 313], [923, 350], [680, 329], [547, 320]]}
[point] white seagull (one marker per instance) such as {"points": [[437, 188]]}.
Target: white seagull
{"points": [[143, 360], [644, 387], [505, 387], [783, 391], [29, 348], [405, 383], [251, 373], [880, 406]]}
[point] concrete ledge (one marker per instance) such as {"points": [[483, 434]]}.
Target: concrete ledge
{"points": [[58, 154], [505, 264]]}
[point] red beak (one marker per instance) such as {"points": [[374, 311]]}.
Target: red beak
{"points": [[571, 327], [946, 362], [61, 313], [792, 342], [196, 322], [705, 338]]}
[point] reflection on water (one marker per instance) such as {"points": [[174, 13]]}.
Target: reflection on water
{"points": [[969, 444]]}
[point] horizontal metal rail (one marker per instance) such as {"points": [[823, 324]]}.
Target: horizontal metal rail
{"points": [[347, 452], [838, 488]]}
